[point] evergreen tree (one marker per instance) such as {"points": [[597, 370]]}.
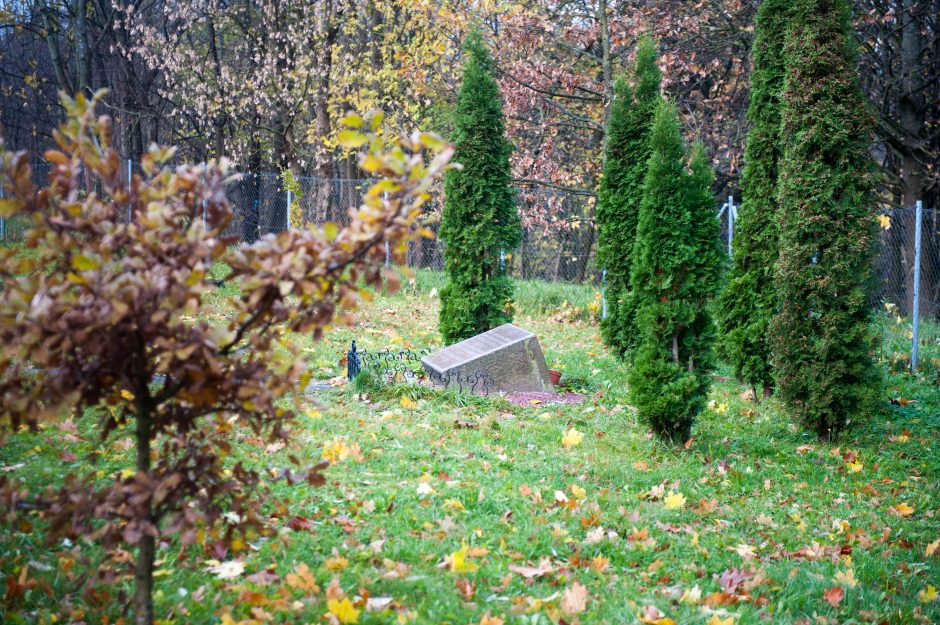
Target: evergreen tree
{"points": [[707, 261], [479, 217], [821, 336], [748, 302], [621, 190], [672, 278]]}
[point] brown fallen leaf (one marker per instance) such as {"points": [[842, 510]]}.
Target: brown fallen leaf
{"points": [[834, 595], [574, 599], [531, 572]]}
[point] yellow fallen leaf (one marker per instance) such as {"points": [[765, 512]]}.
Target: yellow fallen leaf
{"points": [[674, 500], [884, 221], [854, 467], [453, 504], [571, 438], [902, 509], [578, 492], [407, 403], [717, 620], [932, 548], [343, 611], [336, 563], [126, 394], [928, 594], [459, 562], [846, 578]]}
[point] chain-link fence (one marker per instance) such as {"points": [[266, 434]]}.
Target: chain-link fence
{"points": [[559, 240]]}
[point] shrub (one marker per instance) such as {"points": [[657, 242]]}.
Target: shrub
{"points": [[821, 337], [749, 300], [626, 156], [109, 317], [480, 219], [672, 285]]}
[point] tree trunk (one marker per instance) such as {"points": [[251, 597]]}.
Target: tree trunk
{"points": [[143, 568], [82, 51]]}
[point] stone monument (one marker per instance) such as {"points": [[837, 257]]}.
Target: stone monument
{"points": [[509, 357]]}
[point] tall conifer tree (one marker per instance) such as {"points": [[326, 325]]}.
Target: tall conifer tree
{"points": [[748, 301], [480, 219], [621, 190], [672, 278], [821, 337]]}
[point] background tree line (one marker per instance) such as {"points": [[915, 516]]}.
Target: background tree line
{"points": [[265, 82]]}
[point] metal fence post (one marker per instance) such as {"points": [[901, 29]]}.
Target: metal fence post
{"points": [[604, 294], [289, 202], [730, 222], [129, 173], [918, 217]]}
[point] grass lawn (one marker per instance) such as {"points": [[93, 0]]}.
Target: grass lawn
{"points": [[427, 520]]}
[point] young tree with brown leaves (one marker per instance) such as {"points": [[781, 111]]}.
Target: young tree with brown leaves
{"points": [[109, 312]]}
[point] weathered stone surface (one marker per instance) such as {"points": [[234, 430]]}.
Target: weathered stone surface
{"points": [[510, 357]]}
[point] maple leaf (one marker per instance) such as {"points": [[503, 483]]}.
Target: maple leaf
{"points": [[651, 615], [407, 403], [226, 570], [458, 561], [717, 620], [928, 594], [531, 572], [932, 548], [571, 438], [336, 563], [834, 595], [854, 467], [574, 599], [578, 492], [884, 221], [902, 510], [343, 611], [846, 578], [674, 500], [302, 579], [491, 620]]}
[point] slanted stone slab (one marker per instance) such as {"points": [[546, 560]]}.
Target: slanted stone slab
{"points": [[510, 358]]}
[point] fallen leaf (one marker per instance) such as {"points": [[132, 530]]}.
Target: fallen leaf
{"points": [[407, 403], [834, 595], [571, 438], [227, 570], [343, 611], [674, 500], [574, 599], [531, 572], [928, 594], [846, 578]]}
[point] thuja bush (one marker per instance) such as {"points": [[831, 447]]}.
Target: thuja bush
{"points": [[626, 156], [673, 278], [821, 337], [749, 300], [480, 219], [107, 313]]}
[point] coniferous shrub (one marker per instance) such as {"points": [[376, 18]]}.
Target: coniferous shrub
{"points": [[748, 301], [626, 157], [480, 219], [821, 337], [707, 261], [672, 279]]}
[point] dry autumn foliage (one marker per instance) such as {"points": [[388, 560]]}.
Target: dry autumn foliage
{"points": [[106, 319]]}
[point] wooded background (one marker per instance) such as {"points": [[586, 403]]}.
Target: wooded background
{"points": [[265, 82]]}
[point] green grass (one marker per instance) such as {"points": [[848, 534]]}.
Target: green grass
{"points": [[424, 487]]}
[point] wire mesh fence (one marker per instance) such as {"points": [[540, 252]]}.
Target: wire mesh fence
{"points": [[559, 240]]}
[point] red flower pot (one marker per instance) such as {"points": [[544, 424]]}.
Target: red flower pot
{"points": [[555, 376]]}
